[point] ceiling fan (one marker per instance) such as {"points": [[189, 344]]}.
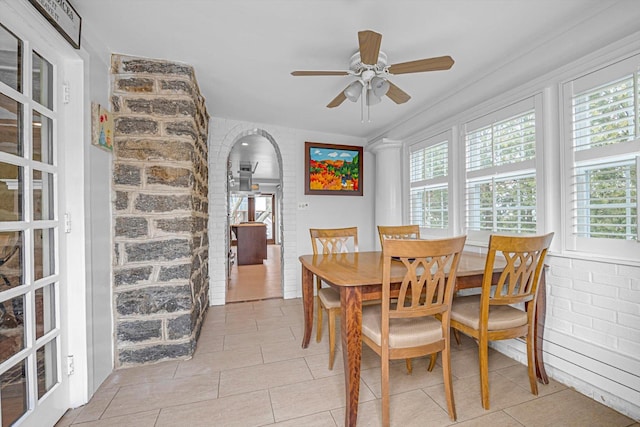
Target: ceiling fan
{"points": [[370, 67]]}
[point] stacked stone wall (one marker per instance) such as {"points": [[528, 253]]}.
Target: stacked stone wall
{"points": [[160, 213]]}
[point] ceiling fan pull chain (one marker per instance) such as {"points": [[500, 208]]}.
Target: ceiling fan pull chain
{"points": [[368, 104], [363, 101]]}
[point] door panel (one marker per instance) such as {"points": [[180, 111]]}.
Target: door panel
{"points": [[33, 389]]}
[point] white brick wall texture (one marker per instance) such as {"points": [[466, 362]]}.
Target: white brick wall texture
{"points": [[223, 134], [592, 330]]}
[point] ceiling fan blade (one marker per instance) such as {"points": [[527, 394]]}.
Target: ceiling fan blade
{"points": [[337, 100], [319, 73], [420, 65], [397, 95], [369, 46]]}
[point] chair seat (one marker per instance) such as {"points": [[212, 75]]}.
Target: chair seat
{"points": [[329, 297], [466, 310], [410, 332]]}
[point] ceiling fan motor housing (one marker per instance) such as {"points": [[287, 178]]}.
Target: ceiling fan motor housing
{"points": [[356, 65]]}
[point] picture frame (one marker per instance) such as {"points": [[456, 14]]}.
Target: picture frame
{"points": [[63, 17], [102, 127], [332, 169]]}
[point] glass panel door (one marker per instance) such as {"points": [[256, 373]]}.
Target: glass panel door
{"points": [[30, 315]]}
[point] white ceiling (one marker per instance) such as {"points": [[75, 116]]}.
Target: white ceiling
{"points": [[243, 51]]}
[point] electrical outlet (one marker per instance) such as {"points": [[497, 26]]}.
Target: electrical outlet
{"points": [[303, 206]]}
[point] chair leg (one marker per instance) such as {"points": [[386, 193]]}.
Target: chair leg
{"points": [[448, 383], [531, 362], [456, 335], [432, 364], [483, 356], [384, 384], [409, 367], [332, 337], [319, 322]]}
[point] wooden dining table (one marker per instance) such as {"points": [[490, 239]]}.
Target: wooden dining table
{"points": [[357, 276]]}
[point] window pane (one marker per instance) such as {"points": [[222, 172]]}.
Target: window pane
{"points": [[42, 195], [505, 204], [480, 205], [515, 208], [45, 310], [13, 393], [429, 197], [47, 361], [430, 162], [606, 199], [506, 142], [604, 115], [11, 125], [42, 138], [10, 59], [515, 140], [480, 149], [11, 259], [42, 81], [12, 336], [430, 207], [44, 259], [11, 189]]}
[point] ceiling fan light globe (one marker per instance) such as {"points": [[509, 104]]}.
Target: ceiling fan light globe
{"points": [[372, 98], [353, 91], [379, 86]]}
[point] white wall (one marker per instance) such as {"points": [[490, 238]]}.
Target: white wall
{"points": [[98, 206], [323, 211], [592, 332]]}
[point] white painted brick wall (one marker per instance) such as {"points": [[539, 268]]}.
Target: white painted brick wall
{"points": [[600, 296], [223, 134], [592, 330]]}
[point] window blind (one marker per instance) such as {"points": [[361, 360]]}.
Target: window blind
{"points": [[606, 114], [429, 195], [500, 175], [604, 182]]}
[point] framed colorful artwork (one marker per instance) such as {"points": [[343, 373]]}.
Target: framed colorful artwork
{"points": [[332, 169], [102, 129]]}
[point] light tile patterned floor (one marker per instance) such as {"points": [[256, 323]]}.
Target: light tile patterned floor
{"points": [[250, 370], [256, 282]]}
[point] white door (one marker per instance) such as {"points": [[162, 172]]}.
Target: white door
{"points": [[34, 387]]}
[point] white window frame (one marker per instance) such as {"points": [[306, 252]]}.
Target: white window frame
{"points": [[436, 182], [606, 248], [535, 166]]}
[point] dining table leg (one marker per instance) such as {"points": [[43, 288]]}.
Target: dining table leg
{"points": [[351, 331], [307, 304]]}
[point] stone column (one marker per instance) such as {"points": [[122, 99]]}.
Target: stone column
{"points": [[388, 201], [161, 210]]}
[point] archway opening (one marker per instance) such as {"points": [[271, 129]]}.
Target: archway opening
{"points": [[254, 216]]}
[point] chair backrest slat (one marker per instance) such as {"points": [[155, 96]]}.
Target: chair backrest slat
{"points": [[334, 240], [398, 232], [428, 284], [518, 281]]}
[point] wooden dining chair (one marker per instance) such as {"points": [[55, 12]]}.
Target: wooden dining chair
{"points": [[417, 326], [491, 315], [411, 231], [398, 232], [328, 241]]}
